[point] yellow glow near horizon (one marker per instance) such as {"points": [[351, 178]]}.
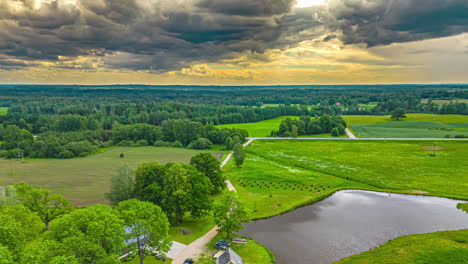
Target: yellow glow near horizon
{"points": [[308, 3]]}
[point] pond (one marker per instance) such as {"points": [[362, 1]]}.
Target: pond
{"points": [[350, 222]]}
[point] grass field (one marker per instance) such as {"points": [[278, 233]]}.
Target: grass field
{"points": [[414, 126], [279, 176], [449, 247], [260, 129], [85, 180], [3, 110]]}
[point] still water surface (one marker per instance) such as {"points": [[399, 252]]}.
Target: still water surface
{"points": [[350, 222]]}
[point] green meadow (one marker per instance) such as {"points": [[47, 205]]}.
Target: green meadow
{"points": [[414, 126], [259, 129], [85, 180], [450, 247], [279, 176], [3, 110]]}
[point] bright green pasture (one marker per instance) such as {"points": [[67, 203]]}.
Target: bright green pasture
{"points": [[463, 206], [407, 166], [252, 252], [279, 176], [260, 129], [85, 180], [368, 119], [448, 247], [410, 129], [414, 126], [3, 110]]}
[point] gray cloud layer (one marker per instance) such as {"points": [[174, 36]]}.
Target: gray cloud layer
{"points": [[169, 34]]}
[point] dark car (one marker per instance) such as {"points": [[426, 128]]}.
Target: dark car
{"points": [[188, 261], [222, 245]]}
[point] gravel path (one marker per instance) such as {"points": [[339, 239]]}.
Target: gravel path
{"points": [[195, 248], [349, 133]]}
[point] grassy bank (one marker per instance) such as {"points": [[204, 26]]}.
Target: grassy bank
{"points": [[85, 180], [252, 252], [279, 176], [448, 247]]}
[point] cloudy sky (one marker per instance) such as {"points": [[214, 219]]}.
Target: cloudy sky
{"points": [[234, 42]]}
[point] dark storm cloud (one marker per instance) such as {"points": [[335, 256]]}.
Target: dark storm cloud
{"points": [[382, 22], [162, 35], [248, 7]]}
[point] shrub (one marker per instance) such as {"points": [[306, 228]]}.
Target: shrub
{"points": [[459, 136], [126, 143], [66, 154], [201, 143], [177, 144], [142, 142], [159, 143]]}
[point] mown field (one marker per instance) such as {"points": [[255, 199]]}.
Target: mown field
{"points": [[85, 180], [450, 247], [264, 128], [3, 110], [414, 126], [259, 129], [281, 175]]}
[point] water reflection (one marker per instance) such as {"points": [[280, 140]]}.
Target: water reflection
{"points": [[350, 222]]}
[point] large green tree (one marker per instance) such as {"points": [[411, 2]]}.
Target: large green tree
{"points": [[229, 214], [148, 182], [18, 226], [122, 186], [185, 190], [5, 256], [47, 206], [147, 226], [210, 167], [239, 155], [398, 113], [92, 235]]}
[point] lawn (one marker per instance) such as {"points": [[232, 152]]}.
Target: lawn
{"points": [[3, 110], [279, 176], [414, 126], [259, 129], [252, 252], [85, 180], [448, 247]]}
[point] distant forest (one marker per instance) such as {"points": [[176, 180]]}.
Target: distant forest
{"points": [[69, 121]]}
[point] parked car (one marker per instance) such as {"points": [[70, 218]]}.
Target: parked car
{"points": [[222, 244], [189, 261]]}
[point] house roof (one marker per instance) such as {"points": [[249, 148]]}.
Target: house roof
{"points": [[229, 257]]}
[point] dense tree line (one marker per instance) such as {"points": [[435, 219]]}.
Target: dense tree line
{"points": [[20, 142], [311, 126]]}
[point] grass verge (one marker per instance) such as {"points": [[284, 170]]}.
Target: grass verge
{"points": [[447, 247]]}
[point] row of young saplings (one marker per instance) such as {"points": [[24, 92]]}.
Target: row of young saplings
{"points": [[282, 185]]}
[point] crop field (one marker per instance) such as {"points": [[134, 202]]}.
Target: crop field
{"points": [[442, 248], [414, 126], [3, 110], [85, 180], [278, 176]]}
